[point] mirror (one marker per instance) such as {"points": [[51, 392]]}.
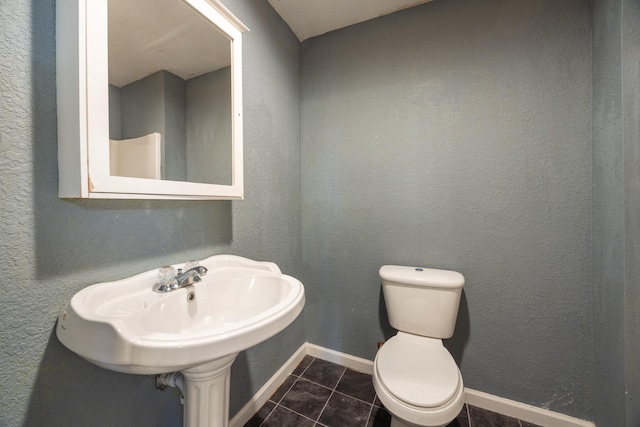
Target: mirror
{"points": [[169, 93], [164, 118]]}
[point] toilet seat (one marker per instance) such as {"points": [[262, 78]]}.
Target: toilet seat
{"points": [[418, 371]]}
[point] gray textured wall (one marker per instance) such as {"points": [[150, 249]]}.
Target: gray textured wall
{"points": [[616, 211], [193, 117], [174, 155], [631, 129], [142, 105], [608, 215], [51, 248], [157, 103], [457, 135], [209, 127]]}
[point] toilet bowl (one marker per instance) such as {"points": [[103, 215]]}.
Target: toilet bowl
{"points": [[418, 381], [414, 375]]}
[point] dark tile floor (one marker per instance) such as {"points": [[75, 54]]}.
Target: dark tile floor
{"points": [[320, 393]]}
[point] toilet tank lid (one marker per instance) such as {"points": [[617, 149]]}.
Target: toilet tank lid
{"points": [[422, 276]]}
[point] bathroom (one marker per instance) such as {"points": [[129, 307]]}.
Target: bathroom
{"points": [[497, 138]]}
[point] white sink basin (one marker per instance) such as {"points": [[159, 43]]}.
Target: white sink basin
{"points": [[125, 326]]}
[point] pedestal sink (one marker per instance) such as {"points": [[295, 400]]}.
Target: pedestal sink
{"points": [[197, 330]]}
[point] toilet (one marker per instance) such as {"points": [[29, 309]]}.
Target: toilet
{"points": [[414, 375]]}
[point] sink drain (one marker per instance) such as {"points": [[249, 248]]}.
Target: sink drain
{"points": [[191, 296]]}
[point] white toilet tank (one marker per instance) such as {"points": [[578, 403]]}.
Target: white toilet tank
{"points": [[422, 301]]}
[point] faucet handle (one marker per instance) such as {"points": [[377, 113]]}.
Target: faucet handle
{"points": [[166, 279], [190, 264], [166, 274]]}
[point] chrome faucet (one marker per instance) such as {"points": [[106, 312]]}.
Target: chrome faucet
{"points": [[189, 277]]}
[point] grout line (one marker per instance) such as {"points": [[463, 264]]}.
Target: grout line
{"points": [[268, 415], [263, 394], [288, 390], [340, 379], [354, 398], [325, 406], [298, 413], [313, 382], [370, 413], [333, 391], [277, 404], [313, 359]]}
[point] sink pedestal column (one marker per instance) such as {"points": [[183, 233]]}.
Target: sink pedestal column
{"points": [[206, 400]]}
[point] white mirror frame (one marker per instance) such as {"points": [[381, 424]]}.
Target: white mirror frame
{"points": [[83, 108]]}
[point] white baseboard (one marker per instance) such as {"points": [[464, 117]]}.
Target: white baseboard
{"points": [[352, 362], [511, 408]]}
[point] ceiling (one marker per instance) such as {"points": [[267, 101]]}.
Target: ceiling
{"points": [[139, 43], [146, 36], [310, 18]]}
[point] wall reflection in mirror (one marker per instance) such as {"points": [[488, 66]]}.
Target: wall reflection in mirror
{"points": [[169, 93]]}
